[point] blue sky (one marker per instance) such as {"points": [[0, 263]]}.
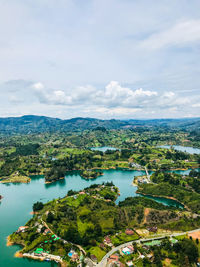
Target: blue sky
{"points": [[100, 58]]}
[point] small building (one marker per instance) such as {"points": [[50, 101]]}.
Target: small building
{"points": [[153, 229], [107, 241], [127, 251], [22, 229], [129, 232], [47, 231], [102, 246], [93, 258], [114, 257], [71, 253], [120, 264], [39, 228], [75, 257], [131, 248], [38, 252], [129, 263]]}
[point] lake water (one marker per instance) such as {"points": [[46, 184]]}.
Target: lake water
{"points": [[187, 149], [104, 148], [16, 205], [165, 201]]}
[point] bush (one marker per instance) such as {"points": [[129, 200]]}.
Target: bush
{"points": [[38, 206]]}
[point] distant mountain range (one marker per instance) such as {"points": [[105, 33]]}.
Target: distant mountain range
{"points": [[38, 124]]}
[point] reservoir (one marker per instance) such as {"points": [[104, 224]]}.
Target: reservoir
{"points": [[104, 148], [18, 199], [188, 149]]}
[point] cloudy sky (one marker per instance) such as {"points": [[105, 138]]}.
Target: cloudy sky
{"points": [[100, 58]]}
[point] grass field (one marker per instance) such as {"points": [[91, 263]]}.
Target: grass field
{"points": [[123, 238], [99, 253]]}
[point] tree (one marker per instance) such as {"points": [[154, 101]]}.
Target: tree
{"points": [[38, 206], [157, 258], [188, 248], [50, 217], [98, 230], [146, 262], [72, 235]]}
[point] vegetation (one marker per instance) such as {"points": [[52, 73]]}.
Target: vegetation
{"points": [[86, 217], [173, 186], [37, 206], [166, 252], [53, 154], [91, 174], [33, 145]]}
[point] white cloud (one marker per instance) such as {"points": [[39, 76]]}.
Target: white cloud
{"points": [[110, 101], [63, 44], [197, 105], [38, 86], [169, 94], [182, 33], [113, 95]]}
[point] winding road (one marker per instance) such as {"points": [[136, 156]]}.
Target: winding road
{"points": [[103, 262]]}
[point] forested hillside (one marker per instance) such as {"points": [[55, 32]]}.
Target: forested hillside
{"points": [[40, 124]]}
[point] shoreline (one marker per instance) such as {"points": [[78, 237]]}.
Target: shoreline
{"points": [[48, 182], [19, 254], [109, 168], [33, 212], [26, 180], [167, 197], [9, 243], [183, 144], [124, 168]]}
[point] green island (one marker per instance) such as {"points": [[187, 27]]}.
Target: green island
{"points": [[91, 174]]}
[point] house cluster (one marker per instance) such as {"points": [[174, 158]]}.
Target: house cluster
{"points": [[22, 229], [143, 180], [135, 165], [113, 260], [43, 255], [39, 227], [73, 255]]}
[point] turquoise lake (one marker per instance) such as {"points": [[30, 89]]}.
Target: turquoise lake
{"points": [[104, 148], [187, 149], [16, 205]]}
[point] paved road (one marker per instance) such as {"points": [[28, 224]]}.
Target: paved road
{"points": [[103, 262]]}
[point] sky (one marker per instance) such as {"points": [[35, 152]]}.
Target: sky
{"points": [[100, 58]]}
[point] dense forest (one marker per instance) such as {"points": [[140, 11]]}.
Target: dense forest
{"points": [[40, 124]]}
